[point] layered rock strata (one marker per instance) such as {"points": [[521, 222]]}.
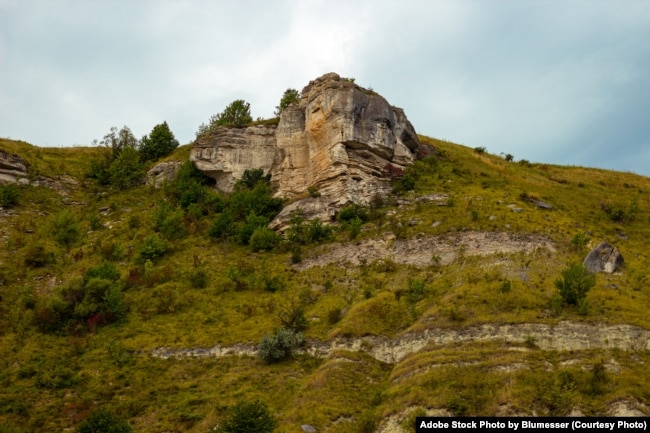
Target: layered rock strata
{"points": [[338, 139]]}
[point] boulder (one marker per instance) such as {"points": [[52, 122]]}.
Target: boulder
{"points": [[163, 172], [339, 139], [604, 258]]}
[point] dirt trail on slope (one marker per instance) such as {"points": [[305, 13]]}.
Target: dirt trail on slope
{"points": [[427, 250]]}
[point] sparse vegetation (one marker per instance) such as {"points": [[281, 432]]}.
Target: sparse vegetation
{"points": [[574, 284], [127, 275]]}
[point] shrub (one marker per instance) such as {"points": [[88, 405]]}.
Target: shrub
{"points": [[574, 284], [289, 97], [480, 150], [8, 195], [223, 226], [579, 241], [305, 233], [292, 315], [264, 239], [237, 113], [126, 170], [351, 212], [65, 228], [198, 278], [251, 178], [103, 421], [151, 249], [252, 417], [279, 346], [313, 192], [36, 256], [169, 222], [247, 228]]}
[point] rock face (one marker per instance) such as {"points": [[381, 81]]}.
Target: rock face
{"points": [[338, 139], [163, 172], [225, 153], [604, 258], [12, 169]]}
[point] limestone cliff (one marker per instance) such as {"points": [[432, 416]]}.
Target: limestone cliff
{"points": [[339, 138]]}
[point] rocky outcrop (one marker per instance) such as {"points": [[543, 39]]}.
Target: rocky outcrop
{"points": [[564, 336], [604, 258], [338, 139], [225, 153], [163, 172], [13, 169]]}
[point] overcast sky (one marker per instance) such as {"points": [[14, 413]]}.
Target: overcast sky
{"points": [[564, 82]]}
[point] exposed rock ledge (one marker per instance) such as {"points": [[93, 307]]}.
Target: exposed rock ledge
{"points": [[12, 169], [567, 336], [424, 251]]}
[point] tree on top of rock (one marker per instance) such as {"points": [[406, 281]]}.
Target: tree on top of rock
{"points": [[289, 97], [237, 113]]}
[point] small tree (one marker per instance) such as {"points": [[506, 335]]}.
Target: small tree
{"points": [[253, 417], [574, 284], [160, 142], [104, 421], [237, 113], [119, 140], [279, 346], [65, 228], [126, 170], [8, 195], [289, 97]]}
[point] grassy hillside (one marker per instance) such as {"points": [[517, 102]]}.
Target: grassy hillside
{"points": [[164, 282]]}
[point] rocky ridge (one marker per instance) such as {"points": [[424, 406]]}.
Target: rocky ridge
{"points": [[338, 139], [565, 336]]}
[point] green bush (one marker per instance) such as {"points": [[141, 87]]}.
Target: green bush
{"points": [[251, 178], [574, 284], [65, 228], [264, 239], [351, 212], [126, 170], [104, 421], [223, 226], [305, 233], [279, 346], [104, 270], [290, 96], [247, 228], [237, 113], [8, 195], [151, 249], [252, 417]]}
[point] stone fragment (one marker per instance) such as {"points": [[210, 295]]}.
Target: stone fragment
{"points": [[604, 258]]}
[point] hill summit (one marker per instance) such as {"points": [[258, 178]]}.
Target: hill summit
{"points": [[340, 140]]}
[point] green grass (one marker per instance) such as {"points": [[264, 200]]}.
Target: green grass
{"points": [[50, 382]]}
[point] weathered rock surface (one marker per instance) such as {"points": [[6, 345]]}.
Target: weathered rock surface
{"points": [[12, 169], [225, 153], [163, 172], [565, 336], [428, 250], [604, 258], [338, 139]]}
